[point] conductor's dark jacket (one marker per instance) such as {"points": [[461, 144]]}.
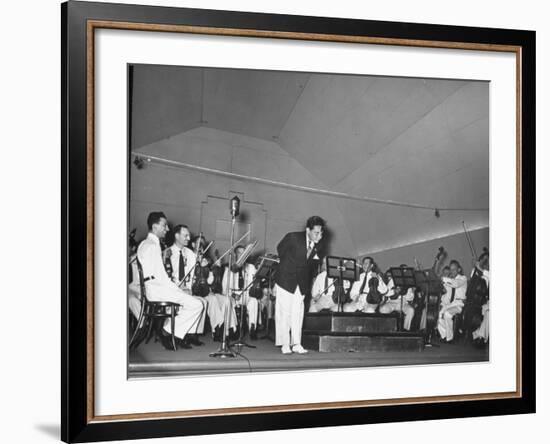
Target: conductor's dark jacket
{"points": [[294, 267]]}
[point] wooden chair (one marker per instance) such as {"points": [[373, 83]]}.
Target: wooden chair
{"points": [[150, 314]]}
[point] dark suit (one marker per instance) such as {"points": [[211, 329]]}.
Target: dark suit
{"points": [[294, 267], [293, 280]]}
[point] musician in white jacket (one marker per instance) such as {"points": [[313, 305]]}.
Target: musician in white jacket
{"points": [[159, 287], [452, 300], [397, 301], [360, 288], [322, 291]]}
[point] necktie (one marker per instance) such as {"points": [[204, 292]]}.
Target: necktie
{"points": [[241, 279], [181, 267], [453, 294], [363, 284], [309, 249]]}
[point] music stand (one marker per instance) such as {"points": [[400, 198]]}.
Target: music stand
{"points": [[405, 278], [241, 263], [340, 269]]}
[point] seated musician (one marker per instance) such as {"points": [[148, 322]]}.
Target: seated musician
{"points": [[360, 288], [159, 286], [322, 291], [134, 291], [267, 304], [481, 335], [218, 305], [397, 299], [452, 301], [240, 279], [182, 259]]}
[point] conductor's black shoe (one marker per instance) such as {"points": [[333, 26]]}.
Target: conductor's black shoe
{"points": [[253, 335]]}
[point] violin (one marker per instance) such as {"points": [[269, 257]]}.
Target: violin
{"points": [[217, 272], [167, 254], [200, 285], [373, 295]]}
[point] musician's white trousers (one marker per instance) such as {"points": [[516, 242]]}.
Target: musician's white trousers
{"points": [[252, 309], [189, 314], [218, 304], [199, 326], [360, 304], [134, 299], [445, 320], [395, 305], [267, 304], [289, 316], [483, 331]]}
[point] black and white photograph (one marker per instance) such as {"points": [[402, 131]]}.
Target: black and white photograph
{"points": [[282, 221]]}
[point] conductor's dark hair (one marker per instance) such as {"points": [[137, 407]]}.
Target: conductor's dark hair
{"points": [[368, 257], [314, 221], [154, 218]]}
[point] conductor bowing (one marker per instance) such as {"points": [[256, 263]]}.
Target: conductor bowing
{"points": [[299, 254]]}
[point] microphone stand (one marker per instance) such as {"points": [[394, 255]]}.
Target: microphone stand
{"points": [[225, 351], [241, 342]]}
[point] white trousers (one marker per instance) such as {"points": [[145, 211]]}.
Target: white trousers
{"points": [[289, 317], [267, 304], [322, 304], [252, 308], [189, 314], [218, 305], [483, 331], [445, 320], [395, 305], [360, 304], [134, 300], [199, 326]]}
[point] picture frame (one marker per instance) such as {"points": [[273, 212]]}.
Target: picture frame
{"points": [[80, 20]]}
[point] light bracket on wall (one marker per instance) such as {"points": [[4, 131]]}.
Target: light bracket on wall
{"points": [[141, 162]]}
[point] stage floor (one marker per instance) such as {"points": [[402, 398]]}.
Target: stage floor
{"points": [[152, 360]]}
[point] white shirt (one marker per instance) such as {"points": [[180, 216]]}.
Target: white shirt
{"points": [[459, 283], [150, 257], [189, 258], [320, 283], [356, 288], [408, 296]]}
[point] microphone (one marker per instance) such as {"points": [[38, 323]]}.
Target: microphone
{"points": [[234, 205]]}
